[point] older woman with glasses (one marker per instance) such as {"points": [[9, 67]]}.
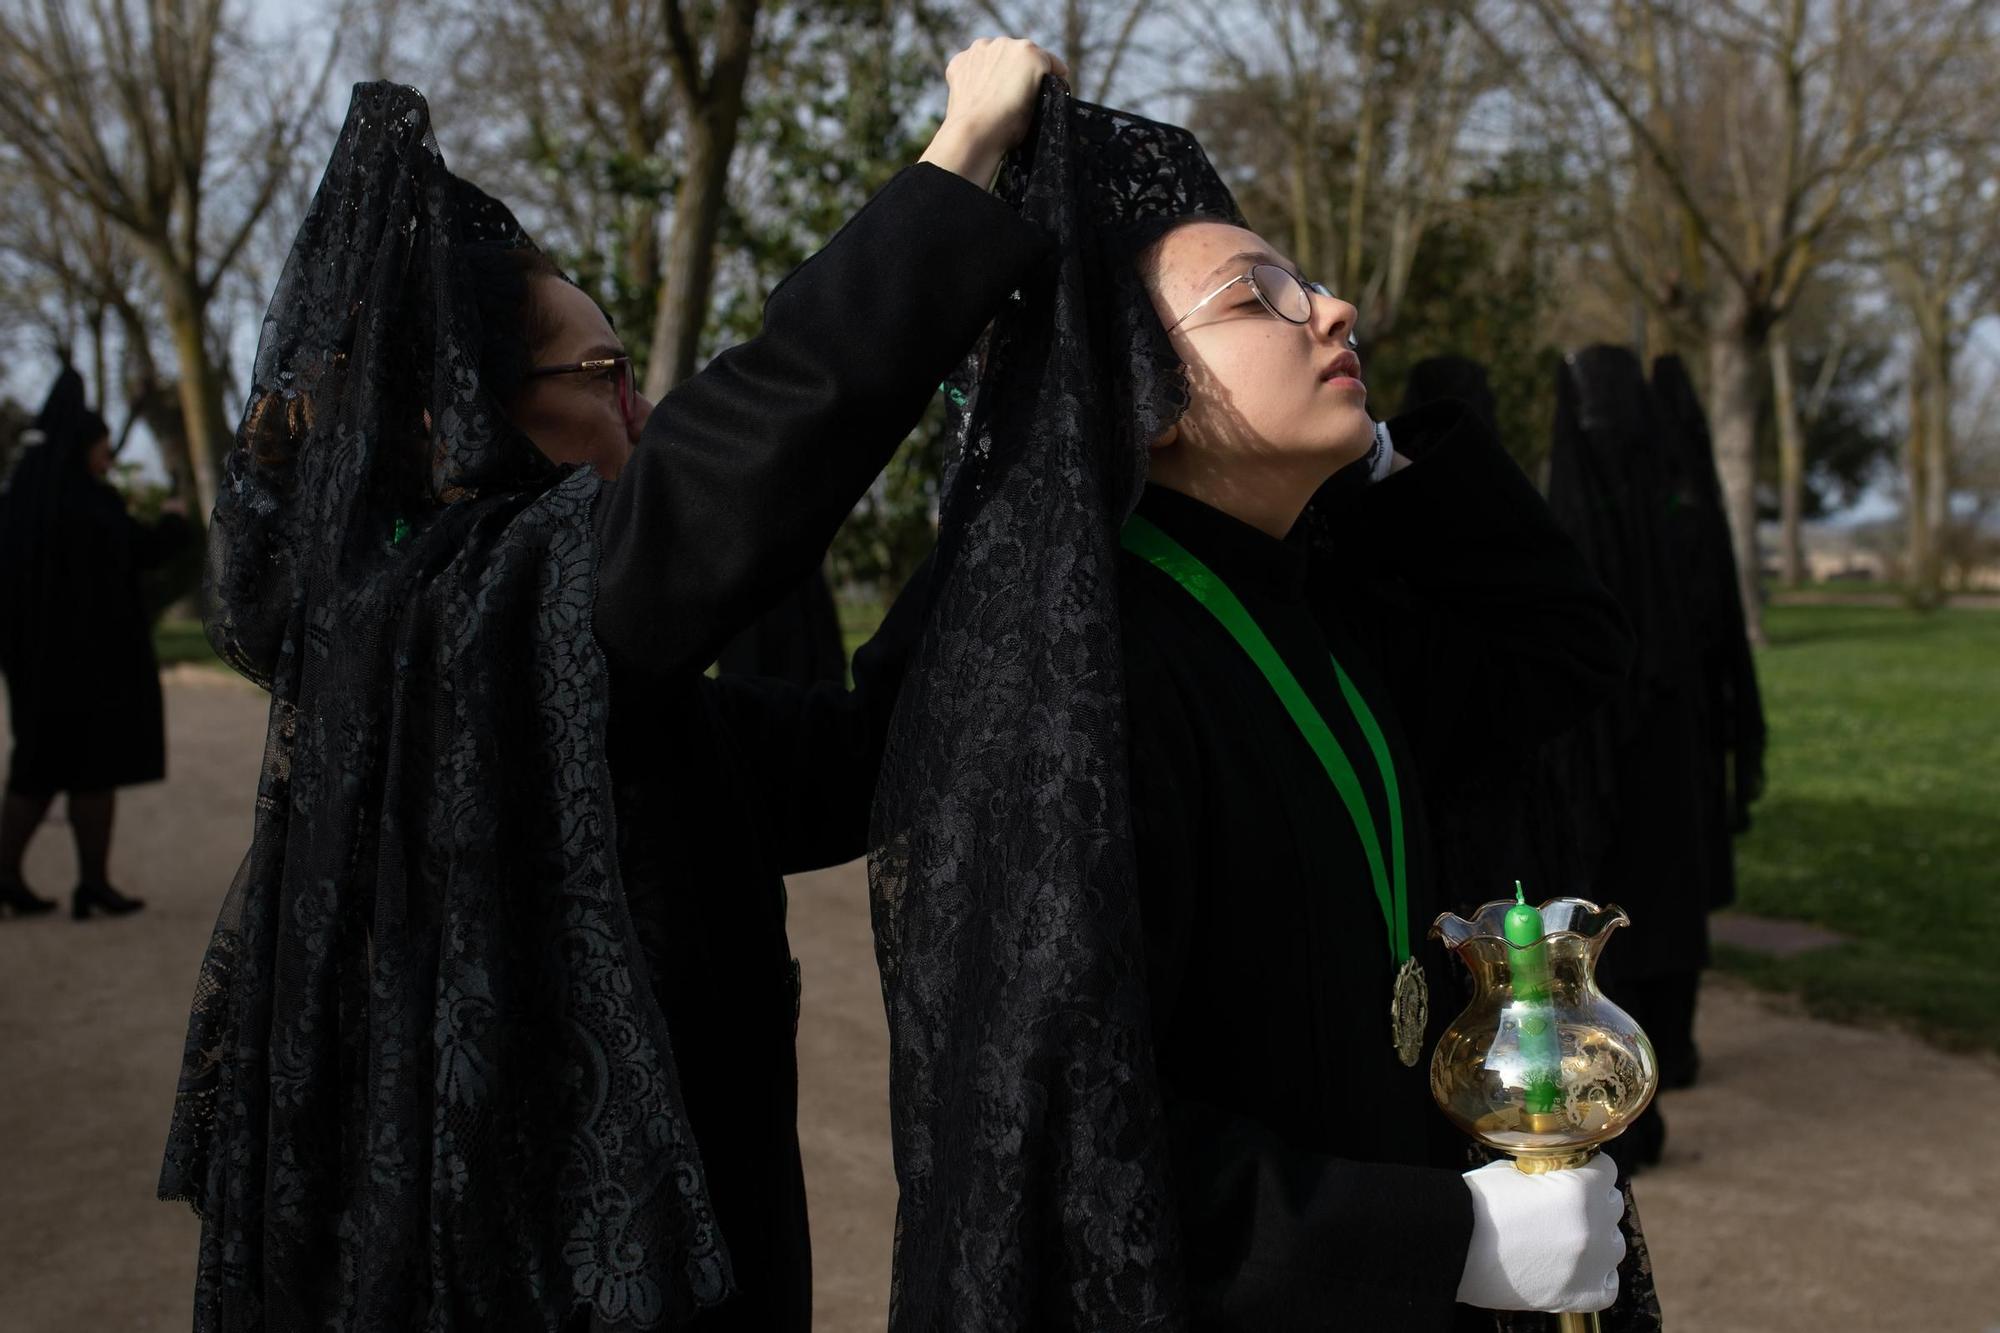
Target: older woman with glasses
{"points": [[496, 1027]]}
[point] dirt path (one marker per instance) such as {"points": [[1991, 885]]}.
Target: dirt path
{"points": [[1783, 1205], [1960, 601]]}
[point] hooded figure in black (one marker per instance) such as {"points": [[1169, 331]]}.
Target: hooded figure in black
{"points": [[495, 1027], [1139, 1077], [1502, 816], [1733, 732], [1458, 378], [1645, 772], [76, 646]]}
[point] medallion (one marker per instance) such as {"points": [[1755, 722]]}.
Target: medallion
{"points": [[1410, 1012]]}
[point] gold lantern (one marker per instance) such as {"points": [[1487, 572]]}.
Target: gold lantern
{"points": [[1540, 1066]]}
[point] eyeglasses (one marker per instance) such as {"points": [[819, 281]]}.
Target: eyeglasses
{"points": [[621, 366], [1279, 290]]}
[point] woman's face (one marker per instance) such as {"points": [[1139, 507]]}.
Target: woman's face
{"points": [[98, 458], [1263, 388], [580, 416]]}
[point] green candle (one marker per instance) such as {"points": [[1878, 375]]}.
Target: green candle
{"points": [[1541, 1045]]}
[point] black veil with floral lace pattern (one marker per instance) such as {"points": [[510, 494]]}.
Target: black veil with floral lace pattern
{"points": [[1027, 1118], [426, 1081]]}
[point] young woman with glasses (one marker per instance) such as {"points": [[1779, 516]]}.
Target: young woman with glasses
{"points": [[1294, 687]]}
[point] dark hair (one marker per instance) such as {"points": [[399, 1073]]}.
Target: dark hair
{"points": [[513, 326], [1139, 242]]}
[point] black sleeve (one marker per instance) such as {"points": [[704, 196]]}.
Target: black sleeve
{"points": [[744, 472], [1382, 1243], [814, 751], [1494, 632]]}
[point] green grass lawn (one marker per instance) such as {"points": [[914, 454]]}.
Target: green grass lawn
{"points": [[176, 640], [858, 622], [1881, 816]]}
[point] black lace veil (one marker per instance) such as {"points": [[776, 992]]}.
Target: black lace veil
{"points": [[426, 1081], [1026, 1113]]}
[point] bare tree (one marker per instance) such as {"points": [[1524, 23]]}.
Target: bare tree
{"points": [[710, 93], [1095, 38], [1749, 129], [1972, 539], [113, 104], [1937, 219], [1348, 119], [1795, 414], [567, 109], [83, 287]]}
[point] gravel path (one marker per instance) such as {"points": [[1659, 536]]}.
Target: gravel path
{"points": [[1822, 1178]]}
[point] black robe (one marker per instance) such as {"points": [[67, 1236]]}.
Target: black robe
{"points": [[1507, 815], [1638, 769], [1318, 1185], [797, 640], [76, 642], [724, 785]]}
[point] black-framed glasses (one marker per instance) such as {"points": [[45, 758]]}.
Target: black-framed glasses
{"points": [[628, 393], [1279, 290]]}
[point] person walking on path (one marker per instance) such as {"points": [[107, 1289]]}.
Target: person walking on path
{"points": [[76, 646]]}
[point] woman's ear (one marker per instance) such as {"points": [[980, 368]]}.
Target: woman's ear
{"points": [[1167, 438]]}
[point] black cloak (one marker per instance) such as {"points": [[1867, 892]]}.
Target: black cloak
{"points": [[1633, 769], [797, 640], [1508, 818], [76, 643], [429, 1078], [419, 1074], [1458, 378], [1733, 731]]}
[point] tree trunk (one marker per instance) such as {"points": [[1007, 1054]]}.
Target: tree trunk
{"points": [[640, 279], [100, 367], [1943, 451], [1920, 556], [690, 268], [1301, 197], [1072, 43], [208, 434], [1735, 350], [1364, 161], [1791, 462], [1936, 462]]}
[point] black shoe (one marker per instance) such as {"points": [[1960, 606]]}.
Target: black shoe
{"points": [[103, 898], [17, 900]]}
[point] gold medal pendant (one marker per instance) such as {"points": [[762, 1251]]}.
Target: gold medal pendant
{"points": [[1410, 1012]]}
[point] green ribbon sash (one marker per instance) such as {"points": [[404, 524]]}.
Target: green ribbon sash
{"points": [[1145, 540]]}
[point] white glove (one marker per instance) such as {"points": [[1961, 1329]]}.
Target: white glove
{"points": [[1544, 1242]]}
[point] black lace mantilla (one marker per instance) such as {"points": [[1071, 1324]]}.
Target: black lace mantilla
{"points": [[426, 1084], [1026, 1113]]}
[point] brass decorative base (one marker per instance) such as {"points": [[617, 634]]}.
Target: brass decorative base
{"points": [[1577, 1323]]}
